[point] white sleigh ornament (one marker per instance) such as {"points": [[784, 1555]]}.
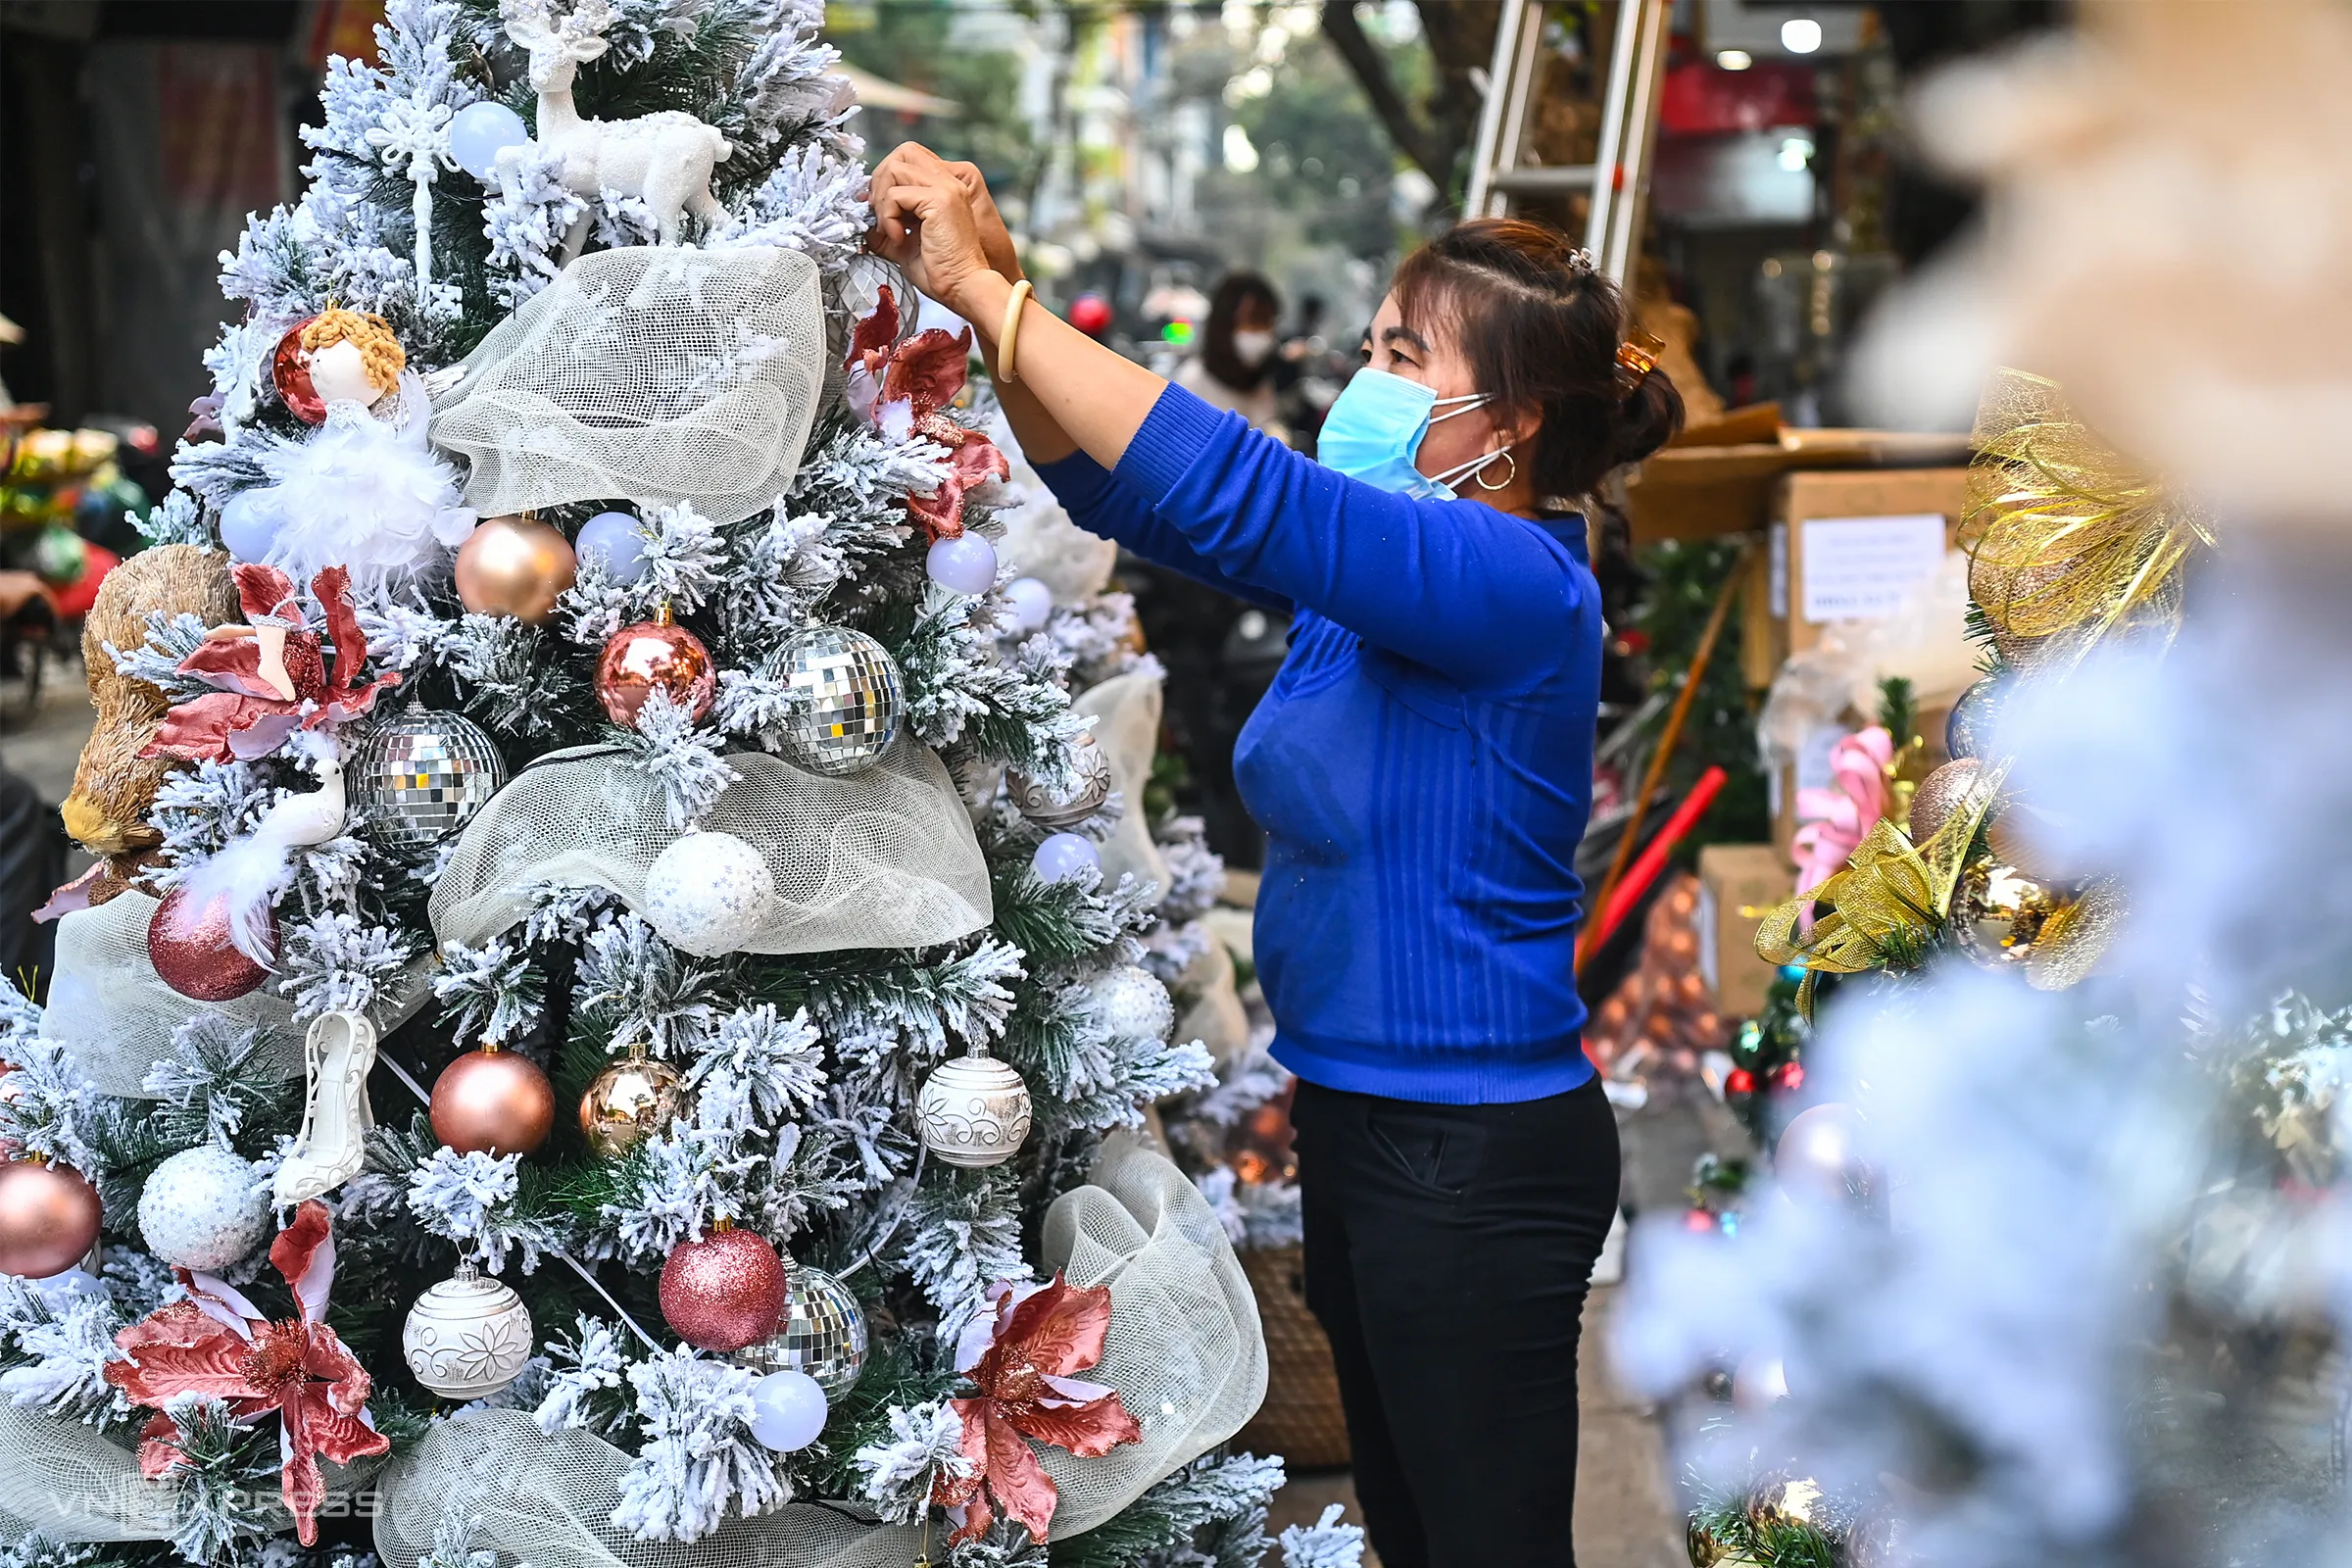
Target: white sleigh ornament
{"points": [[666, 158]]}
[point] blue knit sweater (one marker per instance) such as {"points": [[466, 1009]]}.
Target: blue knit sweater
{"points": [[1422, 765]]}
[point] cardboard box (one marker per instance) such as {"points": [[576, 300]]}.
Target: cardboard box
{"points": [[1846, 545], [1737, 884]]}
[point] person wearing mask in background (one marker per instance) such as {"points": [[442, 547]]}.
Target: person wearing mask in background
{"points": [[1423, 768], [1235, 367]]}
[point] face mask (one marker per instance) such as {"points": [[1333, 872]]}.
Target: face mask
{"points": [[1374, 431], [1253, 348]]}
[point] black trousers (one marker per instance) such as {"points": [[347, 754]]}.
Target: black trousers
{"points": [[1449, 1249]]}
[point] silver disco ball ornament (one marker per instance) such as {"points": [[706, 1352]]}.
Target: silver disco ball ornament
{"points": [[846, 700], [418, 775], [823, 1334]]}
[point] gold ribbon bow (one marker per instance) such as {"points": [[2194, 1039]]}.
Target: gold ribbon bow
{"points": [[1883, 908], [2066, 540]]}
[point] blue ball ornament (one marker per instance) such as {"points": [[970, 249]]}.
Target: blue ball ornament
{"points": [[787, 1410], [963, 564], [479, 132], [614, 535], [1063, 856]]}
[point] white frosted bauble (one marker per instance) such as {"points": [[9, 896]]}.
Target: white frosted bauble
{"points": [[707, 894], [467, 1337], [974, 1112], [1132, 1004], [204, 1208], [339, 374], [787, 1410]]}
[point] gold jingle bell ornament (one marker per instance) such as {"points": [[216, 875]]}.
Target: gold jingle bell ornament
{"points": [[515, 565], [629, 1101]]}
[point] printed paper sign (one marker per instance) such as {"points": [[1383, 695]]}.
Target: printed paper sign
{"points": [[1862, 568]]}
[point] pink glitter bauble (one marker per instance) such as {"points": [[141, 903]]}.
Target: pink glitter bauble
{"points": [[723, 1291], [191, 950]]}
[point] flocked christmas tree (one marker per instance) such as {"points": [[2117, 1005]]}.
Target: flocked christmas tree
{"points": [[574, 669]]}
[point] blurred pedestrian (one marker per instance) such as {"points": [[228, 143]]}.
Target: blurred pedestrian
{"points": [[1423, 768], [1235, 367]]}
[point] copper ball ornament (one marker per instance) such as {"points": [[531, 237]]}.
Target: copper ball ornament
{"points": [[193, 952], [48, 1218], [629, 1101], [723, 1291], [493, 1101], [515, 565], [290, 373], [654, 656], [1958, 785]]}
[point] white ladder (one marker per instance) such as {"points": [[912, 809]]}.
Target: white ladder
{"points": [[1618, 179]]}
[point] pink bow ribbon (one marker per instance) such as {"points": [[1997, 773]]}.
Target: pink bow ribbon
{"points": [[1836, 819]]}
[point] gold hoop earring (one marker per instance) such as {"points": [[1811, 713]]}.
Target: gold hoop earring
{"points": [[1507, 481]]}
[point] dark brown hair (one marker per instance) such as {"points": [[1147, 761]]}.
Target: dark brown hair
{"points": [[1541, 330], [1217, 336]]}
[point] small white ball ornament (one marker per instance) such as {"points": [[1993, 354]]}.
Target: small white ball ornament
{"points": [[204, 1209], [481, 132], [1064, 856], [707, 894], [1031, 602], [467, 1337], [1132, 1004], [974, 1110], [787, 1410]]}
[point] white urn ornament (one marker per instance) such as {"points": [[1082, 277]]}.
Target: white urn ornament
{"points": [[974, 1110], [469, 1337]]}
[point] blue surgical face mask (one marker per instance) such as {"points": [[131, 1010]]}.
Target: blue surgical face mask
{"points": [[1375, 429]]}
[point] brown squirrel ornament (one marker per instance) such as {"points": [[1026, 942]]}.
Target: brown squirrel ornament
{"points": [[114, 786]]}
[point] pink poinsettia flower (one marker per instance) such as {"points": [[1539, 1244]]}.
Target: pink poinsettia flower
{"points": [[904, 388], [271, 676]]}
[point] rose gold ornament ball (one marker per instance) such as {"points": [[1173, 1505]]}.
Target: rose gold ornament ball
{"points": [[192, 950], [515, 565], [723, 1291], [290, 370], [493, 1102], [48, 1218], [650, 656]]}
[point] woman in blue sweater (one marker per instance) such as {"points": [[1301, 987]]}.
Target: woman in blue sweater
{"points": [[1422, 768]]}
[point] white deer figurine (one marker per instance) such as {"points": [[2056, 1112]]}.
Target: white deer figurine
{"points": [[664, 158]]}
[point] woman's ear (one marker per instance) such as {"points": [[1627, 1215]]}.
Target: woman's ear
{"points": [[1518, 423]]}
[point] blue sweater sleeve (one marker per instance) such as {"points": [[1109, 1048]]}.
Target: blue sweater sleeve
{"points": [[1100, 504], [1480, 596]]}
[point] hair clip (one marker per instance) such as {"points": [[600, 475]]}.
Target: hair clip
{"points": [[1580, 263], [1636, 357]]}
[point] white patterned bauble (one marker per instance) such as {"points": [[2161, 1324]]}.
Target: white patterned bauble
{"points": [[974, 1110], [707, 894], [1052, 811], [204, 1208], [1132, 1004], [467, 1337]]}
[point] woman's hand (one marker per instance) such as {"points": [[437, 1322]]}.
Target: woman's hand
{"points": [[912, 163], [926, 225]]}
